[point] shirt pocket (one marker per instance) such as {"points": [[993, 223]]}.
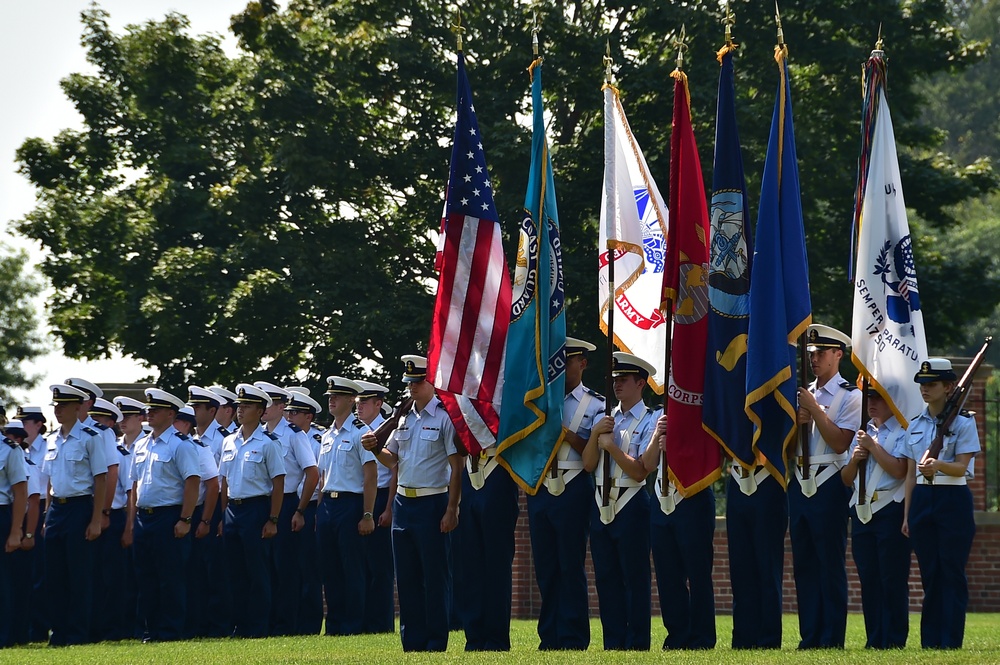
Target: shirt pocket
{"points": [[51, 454], [402, 437], [228, 455], [253, 456]]}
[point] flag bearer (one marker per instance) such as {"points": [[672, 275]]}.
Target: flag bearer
{"points": [[619, 532], [425, 511], [559, 516], [817, 506], [938, 508], [881, 552]]}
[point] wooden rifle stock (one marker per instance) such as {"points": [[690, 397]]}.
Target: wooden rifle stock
{"points": [[954, 405], [803, 460], [390, 425]]}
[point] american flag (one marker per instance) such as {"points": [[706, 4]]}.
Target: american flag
{"points": [[465, 358]]}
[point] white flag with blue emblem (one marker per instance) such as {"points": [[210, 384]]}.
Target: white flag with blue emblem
{"points": [[633, 224], [888, 332]]}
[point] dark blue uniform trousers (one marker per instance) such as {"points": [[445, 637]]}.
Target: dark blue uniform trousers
{"points": [[818, 530], [942, 527], [249, 558], [755, 529], [311, 610], [161, 568], [341, 559], [69, 570], [197, 577], [380, 609], [683, 555], [7, 577], [218, 613], [38, 630], [486, 532], [559, 527], [621, 572], [113, 618], [882, 555], [286, 576], [422, 555]]}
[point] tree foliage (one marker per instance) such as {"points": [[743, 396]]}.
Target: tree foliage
{"points": [[273, 214], [20, 341]]}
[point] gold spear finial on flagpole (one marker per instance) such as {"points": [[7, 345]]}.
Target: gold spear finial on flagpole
{"points": [[681, 47], [607, 62], [777, 19], [729, 22], [457, 28], [879, 43]]}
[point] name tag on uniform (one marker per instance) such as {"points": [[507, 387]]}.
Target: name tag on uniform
{"points": [[344, 444], [51, 454], [327, 447], [253, 456], [228, 455]]}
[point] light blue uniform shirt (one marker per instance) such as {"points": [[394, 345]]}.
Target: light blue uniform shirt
{"points": [[124, 484], [160, 467], [250, 465], [315, 439], [848, 415], [643, 431], [208, 470], [12, 471], [342, 457], [384, 473], [296, 453], [593, 411], [892, 438], [108, 436], [423, 443], [71, 462], [964, 438], [36, 453], [35, 477], [213, 438]]}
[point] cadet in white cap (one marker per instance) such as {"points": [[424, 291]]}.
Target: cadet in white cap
{"points": [[206, 405], [13, 503], [123, 613], [76, 464], [619, 532], [23, 558], [253, 487], [938, 512], [345, 513], [425, 510], [166, 477], [830, 408], [300, 469], [380, 612], [559, 516], [33, 421], [301, 410], [226, 415]]}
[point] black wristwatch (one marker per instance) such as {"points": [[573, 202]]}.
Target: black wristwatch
{"points": [[106, 512], [300, 511], [186, 520], [273, 519]]}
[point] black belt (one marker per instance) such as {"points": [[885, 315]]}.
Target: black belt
{"points": [[63, 500], [252, 499], [157, 509], [342, 495]]}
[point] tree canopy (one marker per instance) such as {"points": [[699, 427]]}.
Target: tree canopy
{"points": [[273, 214], [20, 341]]}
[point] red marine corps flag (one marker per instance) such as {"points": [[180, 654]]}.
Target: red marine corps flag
{"points": [[465, 358]]}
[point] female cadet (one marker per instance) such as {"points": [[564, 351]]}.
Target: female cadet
{"points": [[938, 508], [880, 550]]}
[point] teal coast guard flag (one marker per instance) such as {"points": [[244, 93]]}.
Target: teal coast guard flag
{"points": [[535, 372], [780, 309], [728, 284]]}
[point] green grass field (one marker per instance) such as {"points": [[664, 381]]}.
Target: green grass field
{"points": [[982, 645]]}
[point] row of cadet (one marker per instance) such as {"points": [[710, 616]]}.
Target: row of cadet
{"points": [[200, 531]]}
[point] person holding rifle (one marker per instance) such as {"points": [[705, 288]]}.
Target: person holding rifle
{"points": [[938, 505], [830, 414], [881, 552], [619, 532]]}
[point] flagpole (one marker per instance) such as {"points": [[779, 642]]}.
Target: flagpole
{"points": [[611, 246], [668, 313]]}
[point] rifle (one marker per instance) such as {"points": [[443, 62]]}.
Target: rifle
{"points": [[803, 429], [953, 406], [390, 425]]}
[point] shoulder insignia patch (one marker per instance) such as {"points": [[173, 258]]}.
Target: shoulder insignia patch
{"points": [[271, 436], [100, 426], [182, 437], [123, 450], [593, 393], [90, 431], [27, 460], [965, 413], [359, 424], [10, 443], [224, 431], [847, 385], [198, 442], [294, 427], [318, 436]]}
